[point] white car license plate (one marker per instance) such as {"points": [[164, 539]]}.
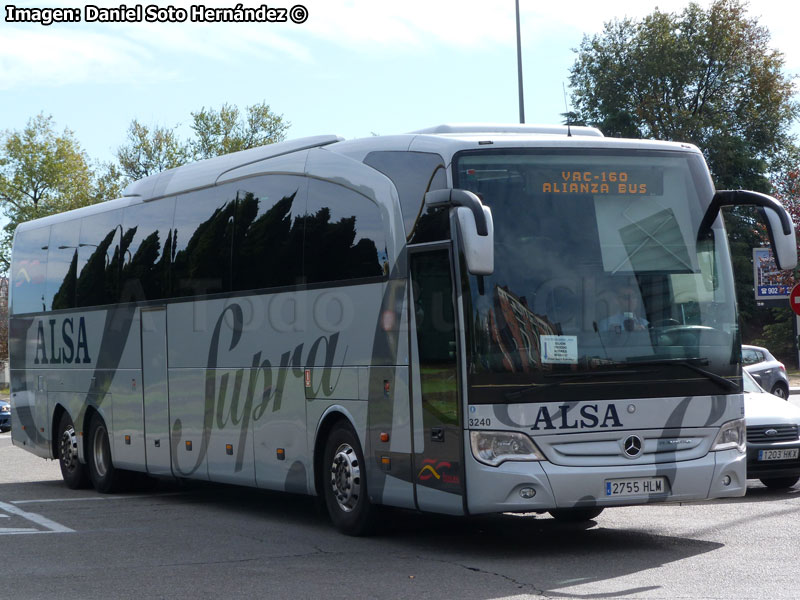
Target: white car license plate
{"points": [[634, 486], [778, 454]]}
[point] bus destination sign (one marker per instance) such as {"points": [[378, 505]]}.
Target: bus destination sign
{"points": [[604, 182]]}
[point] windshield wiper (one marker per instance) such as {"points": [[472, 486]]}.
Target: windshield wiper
{"points": [[539, 387], [691, 364]]}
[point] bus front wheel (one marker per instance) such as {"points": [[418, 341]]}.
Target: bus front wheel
{"points": [[345, 483], [73, 470]]}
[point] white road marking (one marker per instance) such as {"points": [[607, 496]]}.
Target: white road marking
{"points": [[12, 531], [49, 525], [96, 498], [46, 500]]}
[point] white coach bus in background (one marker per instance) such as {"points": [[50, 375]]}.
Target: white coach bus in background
{"points": [[463, 320]]}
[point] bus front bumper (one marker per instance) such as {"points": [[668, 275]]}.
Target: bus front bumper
{"points": [[542, 486]]}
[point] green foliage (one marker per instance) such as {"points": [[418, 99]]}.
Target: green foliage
{"points": [[150, 150], [778, 336], [41, 173], [707, 77], [226, 130]]}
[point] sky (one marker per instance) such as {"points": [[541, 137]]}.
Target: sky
{"points": [[353, 68]]}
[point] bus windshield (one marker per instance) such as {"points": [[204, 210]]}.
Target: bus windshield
{"points": [[601, 289]]}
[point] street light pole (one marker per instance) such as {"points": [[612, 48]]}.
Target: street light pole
{"points": [[519, 69]]}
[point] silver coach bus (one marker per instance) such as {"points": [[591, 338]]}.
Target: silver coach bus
{"points": [[465, 319]]}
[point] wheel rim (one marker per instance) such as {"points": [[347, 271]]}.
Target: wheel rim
{"points": [[780, 392], [346, 477], [69, 449], [99, 451]]}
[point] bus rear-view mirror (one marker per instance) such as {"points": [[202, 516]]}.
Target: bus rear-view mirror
{"points": [[779, 224], [475, 225]]}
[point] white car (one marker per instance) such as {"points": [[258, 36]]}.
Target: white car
{"points": [[773, 437]]}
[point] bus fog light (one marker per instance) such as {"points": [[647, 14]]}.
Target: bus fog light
{"points": [[495, 447], [527, 492]]}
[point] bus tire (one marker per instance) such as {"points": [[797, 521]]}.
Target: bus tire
{"points": [[345, 483], [105, 477], [74, 472], [575, 515]]}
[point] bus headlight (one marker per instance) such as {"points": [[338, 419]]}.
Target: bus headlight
{"points": [[495, 447], [731, 435]]}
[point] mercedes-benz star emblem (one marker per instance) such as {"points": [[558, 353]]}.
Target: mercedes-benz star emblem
{"points": [[632, 446]]}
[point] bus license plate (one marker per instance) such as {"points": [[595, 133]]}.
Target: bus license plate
{"points": [[779, 454], [635, 485]]}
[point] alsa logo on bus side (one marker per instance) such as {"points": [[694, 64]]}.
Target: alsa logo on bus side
{"points": [[588, 417], [67, 344]]}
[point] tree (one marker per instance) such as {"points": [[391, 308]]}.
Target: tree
{"points": [[778, 336], [151, 150], [224, 131], [41, 173], [705, 77]]}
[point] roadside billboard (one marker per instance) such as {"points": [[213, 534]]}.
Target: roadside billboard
{"points": [[767, 277]]}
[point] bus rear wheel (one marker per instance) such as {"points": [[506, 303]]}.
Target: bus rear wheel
{"points": [[105, 477], [575, 515], [345, 483], [73, 470]]}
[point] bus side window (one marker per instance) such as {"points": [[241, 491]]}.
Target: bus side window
{"points": [[203, 238], [62, 265], [29, 271], [98, 259], [344, 235], [145, 250], [413, 174], [268, 234]]}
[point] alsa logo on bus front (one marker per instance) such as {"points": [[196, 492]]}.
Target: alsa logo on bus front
{"points": [[588, 417], [65, 344]]}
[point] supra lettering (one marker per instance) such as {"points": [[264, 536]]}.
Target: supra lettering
{"points": [[588, 417], [232, 403]]}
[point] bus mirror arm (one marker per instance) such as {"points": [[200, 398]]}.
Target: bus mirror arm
{"points": [[456, 197], [475, 225], [779, 224]]}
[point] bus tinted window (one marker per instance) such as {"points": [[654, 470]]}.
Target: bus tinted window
{"points": [[30, 270], [344, 236], [203, 236], [145, 250], [268, 249], [62, 265], [98, 259], [413, 174]]}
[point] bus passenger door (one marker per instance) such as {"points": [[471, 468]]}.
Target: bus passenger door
{"points": [[438, 468], [155, 390]]}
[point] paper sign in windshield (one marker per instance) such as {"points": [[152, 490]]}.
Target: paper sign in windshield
{"points": [[559, 349]]}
